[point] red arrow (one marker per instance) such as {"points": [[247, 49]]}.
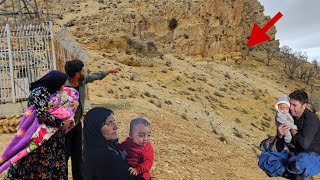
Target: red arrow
{"points": [[258, 35]]}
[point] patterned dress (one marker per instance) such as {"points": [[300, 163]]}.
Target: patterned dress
{"points": [[47, 161]]}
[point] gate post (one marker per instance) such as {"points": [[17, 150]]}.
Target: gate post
{"points": [[11, 63], [52, 46]]}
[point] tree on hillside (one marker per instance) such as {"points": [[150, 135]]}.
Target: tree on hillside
{"points": [[314, 98], [304, 65], [172, 25], [270, 52], [314, 95], [311, 72], [293, 63], [315, 63], [286, 49], [296, 65], [286, 53], [316, 66], [245, 53]]}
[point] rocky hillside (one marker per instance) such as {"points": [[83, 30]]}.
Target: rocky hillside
{"points": [[208, 112], [202, 29]]}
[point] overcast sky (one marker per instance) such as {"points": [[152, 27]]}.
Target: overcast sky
{"points": [[299, 28]]}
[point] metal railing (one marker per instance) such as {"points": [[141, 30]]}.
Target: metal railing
{"points": [[67, 48], [25, 56], [30, 51]]}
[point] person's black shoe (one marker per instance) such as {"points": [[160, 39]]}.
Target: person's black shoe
{"points": [[296, 177], [292, 167], [287, 175]]}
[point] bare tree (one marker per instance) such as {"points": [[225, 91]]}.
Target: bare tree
{"points": [[270, 50], [286, 52], [303, 71], [306, 71], [316, 65], [314, 99], [314, 95], [311, 72], [293, 63], [303, 57]]}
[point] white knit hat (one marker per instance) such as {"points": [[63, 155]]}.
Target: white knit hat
{"points": [[282, 100]]}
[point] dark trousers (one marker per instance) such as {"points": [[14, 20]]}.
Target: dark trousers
{"points": [[74, 150]]}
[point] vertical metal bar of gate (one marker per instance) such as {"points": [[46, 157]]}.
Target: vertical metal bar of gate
{"points": [[52, 45], [11, 63]]}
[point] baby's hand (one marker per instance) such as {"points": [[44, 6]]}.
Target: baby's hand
{"points": [[74, 105], [294, 127], [67, 124], [132, 171], [291, 125]]}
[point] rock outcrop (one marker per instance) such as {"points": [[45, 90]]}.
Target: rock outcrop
{"points": [[201, 28]]}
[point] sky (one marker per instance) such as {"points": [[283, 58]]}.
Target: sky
{"points": [[299, 28]]}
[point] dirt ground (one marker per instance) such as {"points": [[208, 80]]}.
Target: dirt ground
{"points": [[204, 125]]}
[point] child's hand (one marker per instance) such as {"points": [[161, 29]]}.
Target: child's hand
{"points": [[132, 171], [74, 105], [67, 123], [282, 129]]}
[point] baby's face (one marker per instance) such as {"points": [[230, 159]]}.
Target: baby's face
{"points": [[283, 108], [141, 134]]}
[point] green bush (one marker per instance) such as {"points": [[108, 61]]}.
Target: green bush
{"points": [[173, 23]]}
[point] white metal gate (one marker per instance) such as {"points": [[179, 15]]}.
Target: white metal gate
{"points": [[26, 54]]}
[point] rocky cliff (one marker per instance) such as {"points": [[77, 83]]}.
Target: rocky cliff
{"points": [[196, 28]]}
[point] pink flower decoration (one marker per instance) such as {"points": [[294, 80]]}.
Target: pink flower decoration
{"points": [[21, 133], [28, 112], [2, 159]]}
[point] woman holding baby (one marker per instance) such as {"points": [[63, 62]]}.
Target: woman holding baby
{"points": [[103, 155], [48, 160]]}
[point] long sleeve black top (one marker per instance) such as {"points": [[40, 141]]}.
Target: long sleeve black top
{"points": [[106, 164], [308, 136]]}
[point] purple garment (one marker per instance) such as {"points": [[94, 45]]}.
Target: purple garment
{"points": [[19, 146], [28, 125]]}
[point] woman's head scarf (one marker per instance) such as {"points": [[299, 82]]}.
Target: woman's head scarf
{"points": [[53, 81], [93, 121]]}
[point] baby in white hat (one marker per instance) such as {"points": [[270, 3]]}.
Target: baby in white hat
{"points": [[283, 116]]}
